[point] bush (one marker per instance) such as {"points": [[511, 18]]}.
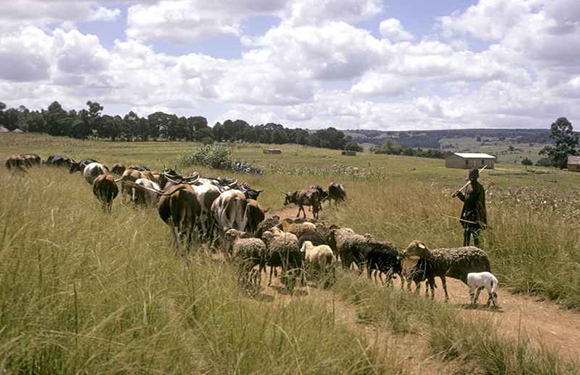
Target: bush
{"points": [[216, 156], [527, 161], [211, 156]]}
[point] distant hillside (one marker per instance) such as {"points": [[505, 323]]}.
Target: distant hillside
{"points": [[439, 138]]}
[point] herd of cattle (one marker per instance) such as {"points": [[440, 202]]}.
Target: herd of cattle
{"points": [[226, 213]]}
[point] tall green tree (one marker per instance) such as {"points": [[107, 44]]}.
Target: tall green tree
{"points": [[567, 143], [58, 121]]}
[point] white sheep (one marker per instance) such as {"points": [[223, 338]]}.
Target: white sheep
{"points": [[320, 259], [477, 281]]}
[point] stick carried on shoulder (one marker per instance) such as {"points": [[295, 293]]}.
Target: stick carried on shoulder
{"points": [[467, 183]]}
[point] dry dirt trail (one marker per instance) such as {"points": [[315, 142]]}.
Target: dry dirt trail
{"points": [[546, 324]]}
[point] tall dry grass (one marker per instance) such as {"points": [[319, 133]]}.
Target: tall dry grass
{"points": [[86, 292]]}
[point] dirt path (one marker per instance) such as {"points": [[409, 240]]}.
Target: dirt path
{"points": [[413, 350], [544, 323]]}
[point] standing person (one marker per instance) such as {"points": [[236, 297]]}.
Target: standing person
{"points": [[473, 215]]}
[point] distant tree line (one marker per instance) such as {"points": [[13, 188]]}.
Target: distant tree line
{"points": [[391, 147], [90, 123]]}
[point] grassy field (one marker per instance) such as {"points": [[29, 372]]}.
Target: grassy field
{"points": [[86, 292]]}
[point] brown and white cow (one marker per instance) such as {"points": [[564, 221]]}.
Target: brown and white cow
{"points": [[129, 177], [106, 190], [206, 194], [228, 211], [145, 192], [93, 170], [17, 161], [33, 159], [304, 197]]}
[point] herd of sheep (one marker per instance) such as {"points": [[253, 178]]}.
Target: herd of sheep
{"points": [[311, 249]]}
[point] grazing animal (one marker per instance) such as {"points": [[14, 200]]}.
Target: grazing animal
{"points": [[129, 177], [33, 159], [59, 161], [336, 192], [254, 215], [179, 208], [106, 190], [81, 165], [382, 257], [323, 193], [206, 194], [249, 192], [283, 251], [247, 252], [17, 162], [349, 246], [417, 271], [93, 170], [477, 281], [228, 210], [118, 169], [266, 225], [298, 229], [454, 262], [304, 197], [319, 261], [145, 192]]}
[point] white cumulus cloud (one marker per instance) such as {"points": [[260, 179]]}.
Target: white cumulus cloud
{"points": [[393, 30]]}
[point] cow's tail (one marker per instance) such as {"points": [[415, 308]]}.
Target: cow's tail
{"points": [[158, 192], [246, 218]]}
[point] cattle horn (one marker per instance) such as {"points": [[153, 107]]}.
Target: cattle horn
{"points": [[233, 183]]}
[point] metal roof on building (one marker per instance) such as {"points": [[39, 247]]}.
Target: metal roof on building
{"points": [[574, 160], [473, 155]]}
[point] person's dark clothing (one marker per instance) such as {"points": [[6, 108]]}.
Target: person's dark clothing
{"points": [[473, 215]]}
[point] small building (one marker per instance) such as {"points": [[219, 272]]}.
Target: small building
{"points": [[574, 163], [349, 153], [3, 129], [272, 151], [469, 160], [17, 131]]}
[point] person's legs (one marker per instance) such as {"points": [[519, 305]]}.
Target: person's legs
{"points": [[476, 237], [466, 236]]}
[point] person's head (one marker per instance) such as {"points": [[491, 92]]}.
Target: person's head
{"points": [[473, 174]]}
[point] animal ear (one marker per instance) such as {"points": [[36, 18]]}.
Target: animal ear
{"points": [[266, 209]]}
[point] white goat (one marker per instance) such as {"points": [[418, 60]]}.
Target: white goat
{"points": [[477, 281]]}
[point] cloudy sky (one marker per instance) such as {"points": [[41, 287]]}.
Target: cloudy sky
{"points": [[351, 64]]}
